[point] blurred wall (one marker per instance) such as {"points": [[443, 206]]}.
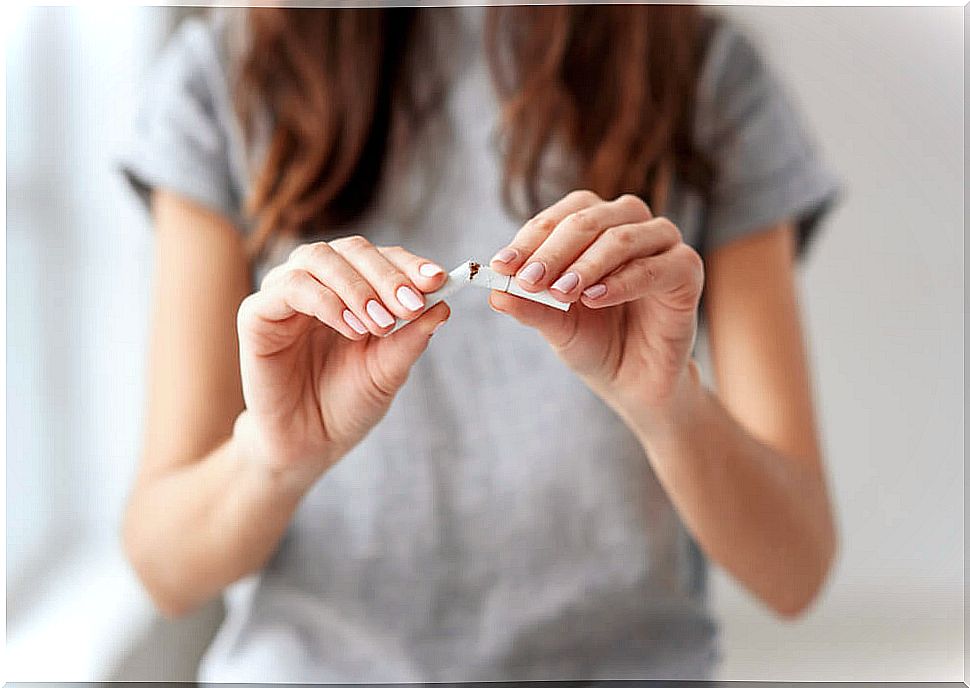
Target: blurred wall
{"points": [[883, 88], [883, 295], [78, 269]]}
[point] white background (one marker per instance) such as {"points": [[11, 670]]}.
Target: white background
{"points": [[883, 295], [883, 288]]}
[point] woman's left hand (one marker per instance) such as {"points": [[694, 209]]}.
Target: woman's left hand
{"points": [[634, 285]]}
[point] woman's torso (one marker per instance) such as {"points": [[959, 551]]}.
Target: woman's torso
{"points": [[501, 522]]}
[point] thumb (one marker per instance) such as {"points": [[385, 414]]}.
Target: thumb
{"points": [[395, 354], [555, 325]]}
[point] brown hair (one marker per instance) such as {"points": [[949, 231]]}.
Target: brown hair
{"points": [[611, 85]]}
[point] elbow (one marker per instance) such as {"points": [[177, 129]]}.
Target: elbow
{"points": [[169, 606], [157, 580], [795, 606], [805, 589]]}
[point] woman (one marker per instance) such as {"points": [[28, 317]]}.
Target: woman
{"points": [[528, 493]]}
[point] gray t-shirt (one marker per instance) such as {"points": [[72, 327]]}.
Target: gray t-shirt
{"points": [[500, 523]]}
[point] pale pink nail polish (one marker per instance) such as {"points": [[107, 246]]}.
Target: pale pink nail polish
{"points": [[566, 283], [355, 324], [506, 255], [379, 314], [437, 327], [430, 270], [595, 291], [406, 296], [532, 272]]}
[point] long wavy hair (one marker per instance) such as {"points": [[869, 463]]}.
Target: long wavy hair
{"points": [[611, 86]]}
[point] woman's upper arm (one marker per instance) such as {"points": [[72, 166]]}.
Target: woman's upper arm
{"points": [[194, 389], [756, 339]]}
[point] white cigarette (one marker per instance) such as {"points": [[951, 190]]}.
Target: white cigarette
{"points": [[471, 272], [486, 278]]}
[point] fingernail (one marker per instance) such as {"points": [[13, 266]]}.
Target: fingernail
{"points": [[532, 273], [430, 269], [379, 314], [355, 324], [506, 255], [406, 296], [437, 327], [595, 291], [566, 283]]}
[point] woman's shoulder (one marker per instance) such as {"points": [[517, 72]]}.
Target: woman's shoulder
{"points": [[733, 61], [768, 165], [201, 51], [186, 134]]}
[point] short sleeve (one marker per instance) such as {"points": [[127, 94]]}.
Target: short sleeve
{"points": [[181, 137], [767, 167]]}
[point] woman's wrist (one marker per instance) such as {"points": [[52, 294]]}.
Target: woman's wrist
{"points": [[287, 482], [672, 416]]}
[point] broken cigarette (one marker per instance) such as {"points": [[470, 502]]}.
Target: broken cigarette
{"points": [[486, 278], [471, 272]]}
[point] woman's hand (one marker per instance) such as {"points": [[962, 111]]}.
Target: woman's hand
{"points": [[318, 370], [635, 286]]}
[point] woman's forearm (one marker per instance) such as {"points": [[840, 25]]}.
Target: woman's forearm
{"points": [[196, 528], [761, 515]]}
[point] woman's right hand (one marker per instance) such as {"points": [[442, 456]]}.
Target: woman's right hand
{"points": [[318, 368]]}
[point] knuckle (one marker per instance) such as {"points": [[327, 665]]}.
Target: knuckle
{"points": [[386, 272], [246, 314], [624, 237], [669, 230], [387, 379], [692, 261], [270, 277], [542, 224], [583, 196], [358, 242], [298, 253], [245, 311], [392, 278], [586, 267], [358, 288], [315, 252], [292, 279], [633, 202], [354, 242], [324, 296], [581, 222]]}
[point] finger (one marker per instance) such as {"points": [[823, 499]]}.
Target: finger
{"points": [[395, 355], [527, 312], [426, 274], [574, 234], [676, 276], [397, 291], [333, 271], [509, 259], [612, 249], [274, 275], [300, 293], [555, 325]]}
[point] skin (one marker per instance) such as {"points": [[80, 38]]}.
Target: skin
{"points": [[234, 442]]}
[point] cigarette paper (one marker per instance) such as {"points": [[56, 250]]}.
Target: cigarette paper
{"points": [[486, 278]]}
